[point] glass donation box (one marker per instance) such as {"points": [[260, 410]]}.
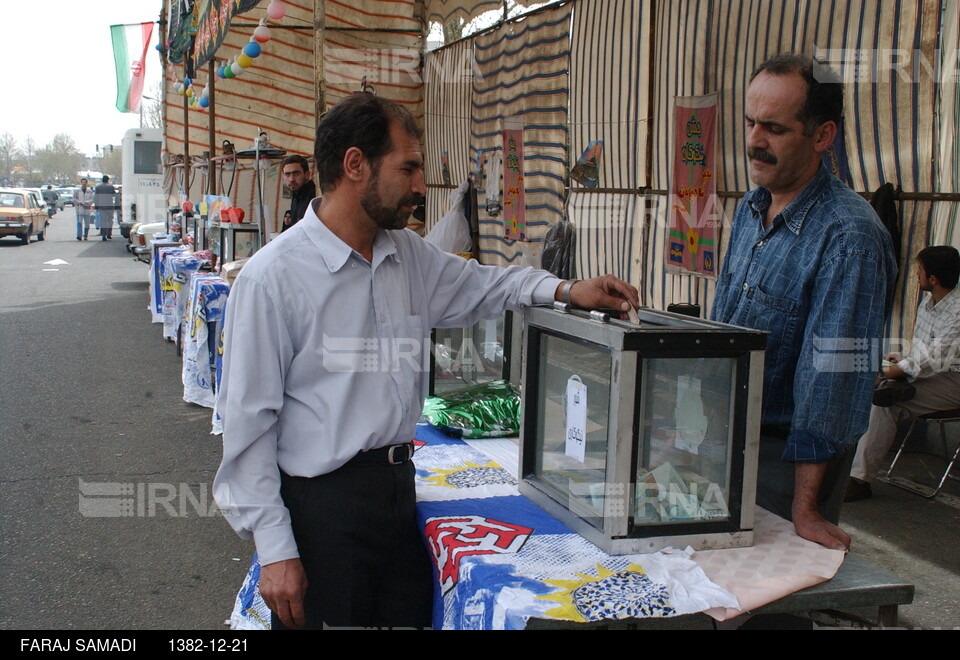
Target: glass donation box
{"points": [[642, 436]]}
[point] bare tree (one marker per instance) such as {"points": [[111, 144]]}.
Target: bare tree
{"points": [[9, 154], [60, 159], [29, 150], [112, 162], [151, 111]]}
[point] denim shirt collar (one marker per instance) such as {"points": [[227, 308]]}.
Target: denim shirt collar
{"points": [[796, 211]]}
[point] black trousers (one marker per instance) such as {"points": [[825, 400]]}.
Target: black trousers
{"points": [[360, 545]]}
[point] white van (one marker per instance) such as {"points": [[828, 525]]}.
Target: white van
{"points": [[143, 198]]}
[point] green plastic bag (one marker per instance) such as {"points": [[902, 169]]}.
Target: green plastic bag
{"points": [[488, 410]]}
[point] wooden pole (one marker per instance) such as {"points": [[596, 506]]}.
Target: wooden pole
{"points": [[212, 124], [186, 146], [319, 37]]}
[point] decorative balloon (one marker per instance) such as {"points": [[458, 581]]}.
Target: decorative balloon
{"points": [[243, 60], [262, 34], [276, 10]]}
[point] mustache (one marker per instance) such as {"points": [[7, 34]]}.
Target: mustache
{"points": [[764, 156], [414, 200]]}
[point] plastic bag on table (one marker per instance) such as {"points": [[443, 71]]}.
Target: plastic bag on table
{"points": [[488, 410], [558, 250], [452, 232]]}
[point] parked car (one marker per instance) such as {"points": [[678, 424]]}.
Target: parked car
{"points": [[140, 235], [39, 195], [22, 215], [66, 196]]}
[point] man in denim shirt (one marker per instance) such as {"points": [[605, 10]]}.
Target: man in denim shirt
{"points": [[808, 262]]}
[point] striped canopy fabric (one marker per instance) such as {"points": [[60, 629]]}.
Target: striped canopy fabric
{"points": [[378, 41], [523, 71], [610, 101], [946, 226], [609, 70], [448, 76], [278, 93], [714, 46], [444, 11]]}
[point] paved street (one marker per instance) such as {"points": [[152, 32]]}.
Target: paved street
{"points": [[91, 393]]}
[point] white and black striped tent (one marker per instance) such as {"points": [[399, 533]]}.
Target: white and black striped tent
{"points": [[585, 70]]}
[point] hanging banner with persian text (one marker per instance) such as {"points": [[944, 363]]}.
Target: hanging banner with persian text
{"points": [[695, 215]]}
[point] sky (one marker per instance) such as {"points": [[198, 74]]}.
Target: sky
{"points": [[66, 44]]}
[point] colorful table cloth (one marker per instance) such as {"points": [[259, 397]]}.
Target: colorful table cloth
{"points": [[204, 316]]}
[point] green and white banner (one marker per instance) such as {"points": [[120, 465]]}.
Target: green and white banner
{"points": [[130, 44]]}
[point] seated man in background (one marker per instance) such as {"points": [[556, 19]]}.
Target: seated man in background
{"points": [[932, 366]]}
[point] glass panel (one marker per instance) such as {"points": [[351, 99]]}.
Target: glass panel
{"points": [[686, 418], [146, 158], [579, 481], [468, 356]]}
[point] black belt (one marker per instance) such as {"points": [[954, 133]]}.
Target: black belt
{"points": [[392, 455]]}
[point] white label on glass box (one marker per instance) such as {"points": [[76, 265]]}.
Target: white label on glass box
{"points": [[576, 408], [690, 420]]}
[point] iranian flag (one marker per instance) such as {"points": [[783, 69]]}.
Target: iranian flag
{"points": [[130, 43]]}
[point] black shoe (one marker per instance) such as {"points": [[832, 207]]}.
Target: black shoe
{"points": [[857, 490], [78, 238], [893, 392]]}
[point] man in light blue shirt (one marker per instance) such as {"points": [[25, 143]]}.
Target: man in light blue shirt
{"points": [[808, 262], [326, 359]]}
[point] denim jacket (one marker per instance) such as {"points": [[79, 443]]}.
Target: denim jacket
{"points": [[820, 281]]}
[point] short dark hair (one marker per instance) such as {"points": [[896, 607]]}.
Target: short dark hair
{"points": [[105, 178], [943, 262], [296, 159], [824, 100], [360, 120]]}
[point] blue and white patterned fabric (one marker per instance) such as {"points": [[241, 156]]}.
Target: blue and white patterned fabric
{"points": [[204, 315], [500, 560], [159, 249], [176, 270]]}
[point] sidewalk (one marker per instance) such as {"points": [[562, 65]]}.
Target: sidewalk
{"points": [[916, 538]]}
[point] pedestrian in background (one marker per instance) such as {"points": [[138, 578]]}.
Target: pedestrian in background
{"points": [[296, 177], [106, 205], [83, 203]]}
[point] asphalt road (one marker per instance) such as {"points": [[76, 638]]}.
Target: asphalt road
{"points": [[92, 401]]}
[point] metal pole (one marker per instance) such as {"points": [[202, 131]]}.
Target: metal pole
{"points": [[262, 219]]}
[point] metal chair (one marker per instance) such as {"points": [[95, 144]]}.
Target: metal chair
{"points": [[941, 419]]}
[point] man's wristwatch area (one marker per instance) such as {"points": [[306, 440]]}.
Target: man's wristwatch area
{"points": [[565, 291]]}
